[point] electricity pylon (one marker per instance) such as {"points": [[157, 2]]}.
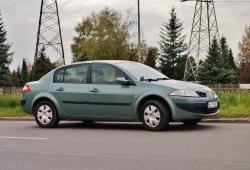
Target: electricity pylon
{"points": [[204, 29], [49, 35]]}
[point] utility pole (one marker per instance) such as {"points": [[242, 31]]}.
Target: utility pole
{"points": [[204, 29], [49, 35], [139, 31]]}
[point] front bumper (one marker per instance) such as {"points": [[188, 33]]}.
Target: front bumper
{"points": [[186, 108], [198, 108]]}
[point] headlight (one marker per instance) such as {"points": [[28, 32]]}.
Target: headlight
{"points": [[184, 93], [215, 95]]}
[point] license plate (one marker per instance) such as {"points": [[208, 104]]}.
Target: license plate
{"points": [[212, 104]]}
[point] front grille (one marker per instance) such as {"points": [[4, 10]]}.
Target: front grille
{"points": [[201, 94]]}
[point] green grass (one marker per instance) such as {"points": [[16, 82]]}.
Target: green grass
{"points": [[10, 106], [233, 105]]}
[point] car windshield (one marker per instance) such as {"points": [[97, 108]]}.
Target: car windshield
{"points": [[142, 72]]}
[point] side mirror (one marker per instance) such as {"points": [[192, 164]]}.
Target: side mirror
{"points": [[122, 81]]}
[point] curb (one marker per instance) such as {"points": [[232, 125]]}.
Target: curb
{"points": [[218, 120], [16, 118], [227, 120]]}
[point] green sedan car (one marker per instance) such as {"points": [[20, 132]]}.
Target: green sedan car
{"points": [[116, 91]]}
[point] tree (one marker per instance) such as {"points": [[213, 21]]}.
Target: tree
{"points": [[228, 60], [225, 51], [231, 62], [213, 70], [24, 73], [42, 66], [227, 54], [133, 53], [5, 57], [19, 76], [151, 58], [244, 57], [172, 48], [103, 35], [14, 79]]}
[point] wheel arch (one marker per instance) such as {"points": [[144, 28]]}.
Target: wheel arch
{"points": [[45, 97], [152, 97]]}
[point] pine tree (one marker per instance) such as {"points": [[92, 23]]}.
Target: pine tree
{"points": [[5, 57], [19, 77], [151, 58], [225, 51], [229, 64], [172, 48], [232, 68], [227, 54], [42, 67], [14, 79], [213, 69], [24, 73]]}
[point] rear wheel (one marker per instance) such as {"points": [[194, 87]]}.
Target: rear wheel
{"points": [[191, 122], [46, 115], [155, 115]]}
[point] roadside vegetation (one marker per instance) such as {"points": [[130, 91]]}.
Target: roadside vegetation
{"points": [[10, 106], [233, 105]]}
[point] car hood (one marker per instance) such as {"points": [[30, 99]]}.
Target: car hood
{"points": [[176, 84]]}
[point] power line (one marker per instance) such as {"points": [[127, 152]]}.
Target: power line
{"points": [[15, 4], [27, 1]]}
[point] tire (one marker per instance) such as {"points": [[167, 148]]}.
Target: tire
{"points": [[155, 115], [46, 115], [191, 122]]}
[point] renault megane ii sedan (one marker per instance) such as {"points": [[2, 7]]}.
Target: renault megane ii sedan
{"points": [[116, 91]]}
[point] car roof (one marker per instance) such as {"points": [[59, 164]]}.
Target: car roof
{"points": [[100, 61]]}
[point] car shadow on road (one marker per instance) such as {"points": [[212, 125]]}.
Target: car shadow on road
{"points": [[132, 126]]}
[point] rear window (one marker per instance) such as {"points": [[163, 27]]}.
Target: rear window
{"points": [[58, 76], [77, 74]]}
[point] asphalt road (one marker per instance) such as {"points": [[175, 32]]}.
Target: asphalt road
{"points": [[112, 146]]}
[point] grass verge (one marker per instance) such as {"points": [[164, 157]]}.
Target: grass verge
{"points": [[10, 106], [234, 105]]}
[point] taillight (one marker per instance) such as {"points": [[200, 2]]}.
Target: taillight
{"points": [[26, 88]]}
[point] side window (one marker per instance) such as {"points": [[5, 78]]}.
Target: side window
{"points": [[76, 74], [58, 76], [105, 74]]}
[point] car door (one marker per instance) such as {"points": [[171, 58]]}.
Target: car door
{"points": [[71, 89], [107, 98]]}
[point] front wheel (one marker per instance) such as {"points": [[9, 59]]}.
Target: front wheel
{"points": [[46, 115], [191, 122], [155, 115]]}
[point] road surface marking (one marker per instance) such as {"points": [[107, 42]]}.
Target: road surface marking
{"points": [[22, 138]]}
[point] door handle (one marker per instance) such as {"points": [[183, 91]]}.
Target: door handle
{"points": [[94, 90], [60, 89]]}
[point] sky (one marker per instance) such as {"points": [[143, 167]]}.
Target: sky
{"points": [[21, 20]]}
